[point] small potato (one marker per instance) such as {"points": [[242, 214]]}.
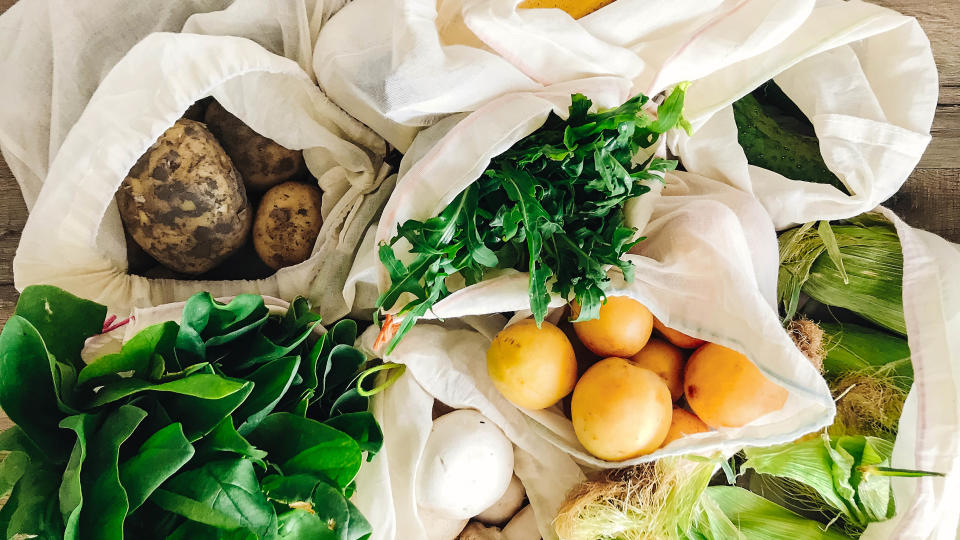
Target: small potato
{"points": [[287, 224], [532, 367], [623, 328], [666, 361], [183, 201], [620, 410], [683, 423], [725, 389], [262, 162], [676, 337]]}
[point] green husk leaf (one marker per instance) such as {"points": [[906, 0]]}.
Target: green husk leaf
{"points": [[867, 277], [733, 512]]}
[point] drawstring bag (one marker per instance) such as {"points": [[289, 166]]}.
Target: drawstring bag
{"points": [[74, 237]]}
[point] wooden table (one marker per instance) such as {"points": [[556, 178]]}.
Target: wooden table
{"points": [[930, 199]]}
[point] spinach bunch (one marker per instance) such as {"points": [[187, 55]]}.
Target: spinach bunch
{"points": [[551, 205], [230, 424]]}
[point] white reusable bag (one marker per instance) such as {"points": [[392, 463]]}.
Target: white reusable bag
{"points": [[418, 59], [74, 236], [866, 79], [448, 363], [707, 268]]}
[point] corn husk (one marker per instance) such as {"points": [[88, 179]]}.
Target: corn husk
{"points": [[851, 348], [733, 513], [835, 468], [652, 501], [856, 265]]}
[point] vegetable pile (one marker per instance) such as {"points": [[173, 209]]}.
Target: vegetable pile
{"points": [[189, 203], [551, 205], [630, 391], [840, 290], [233, 423]]}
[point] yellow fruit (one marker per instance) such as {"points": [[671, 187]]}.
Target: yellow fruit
{"points": [[683, 423], [666, 361], [620, 410], [676, 337], [725, 389], [623, 328], [532, 367], [576, 8]]}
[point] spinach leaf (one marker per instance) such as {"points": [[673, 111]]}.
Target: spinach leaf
{"points": [[224, 494], [143, 443], [270, 383], [363, 428], [302, 445], [199, 385], [63, 320], [157, 459], [200, 415], [144, 355], [92, 498], [224, 438], [27, 391]]}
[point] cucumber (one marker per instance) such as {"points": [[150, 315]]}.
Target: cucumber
{"points": [[776, 136]]}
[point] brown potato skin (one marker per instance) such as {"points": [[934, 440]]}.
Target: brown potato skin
{"points": [[262, 162], [287, 224], [183, 201]]}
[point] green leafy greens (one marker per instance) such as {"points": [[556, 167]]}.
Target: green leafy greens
{"points": [[231, 424], [551, 205]]}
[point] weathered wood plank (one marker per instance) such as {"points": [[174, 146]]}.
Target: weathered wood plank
{"points": [[13, 217], [944, 149], [940, 19], [8, 300], [930, 200]]}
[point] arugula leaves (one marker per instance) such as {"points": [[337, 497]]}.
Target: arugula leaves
{"points": [[551, 205], [231, 424]]}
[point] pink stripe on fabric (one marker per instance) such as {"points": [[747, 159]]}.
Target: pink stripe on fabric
{"points": [[696, 35]]}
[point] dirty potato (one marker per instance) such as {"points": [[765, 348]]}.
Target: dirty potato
{"points": [[287, 224], [183, 201], [262, 163]]}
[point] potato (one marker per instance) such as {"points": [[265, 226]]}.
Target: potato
{"points": [[620, 410], [575, 8], [183, 201], [666, 361], [623, 328], [683, 423], [532, 367], [725, 389], [262, 162], [676, 337], [287, 224]]}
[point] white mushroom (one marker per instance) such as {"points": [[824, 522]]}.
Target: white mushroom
{"points": [[509, 504], [466, 465]]}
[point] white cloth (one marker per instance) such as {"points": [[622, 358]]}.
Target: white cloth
{"points": [[866, 79], [929, 431], [449, 363], [418, 59], [708, 268], [108, 100]]}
